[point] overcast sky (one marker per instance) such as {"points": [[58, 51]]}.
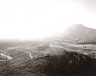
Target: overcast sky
{"points": [[23, 19]]}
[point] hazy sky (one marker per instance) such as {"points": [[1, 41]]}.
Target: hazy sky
{"points": [[23, 19]]}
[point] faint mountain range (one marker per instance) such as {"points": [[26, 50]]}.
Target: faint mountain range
{"points": [[77, 33]]}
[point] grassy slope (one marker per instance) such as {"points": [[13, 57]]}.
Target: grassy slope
{"points": [[57, 62], [65, 64]]}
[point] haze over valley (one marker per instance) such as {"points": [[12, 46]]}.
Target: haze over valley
{"points": [[47, 37]]}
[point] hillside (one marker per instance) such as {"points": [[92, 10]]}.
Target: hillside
{"points": [[48, 59], [77, 33], [65, 64]]}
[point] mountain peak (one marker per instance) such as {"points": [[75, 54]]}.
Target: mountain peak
{"points": [[76, 26]]}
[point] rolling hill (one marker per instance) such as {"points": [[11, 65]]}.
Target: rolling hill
{"points": [[64, 63]]}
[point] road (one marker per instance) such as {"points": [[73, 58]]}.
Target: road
{"points": [[30, 55], [6, 56]]}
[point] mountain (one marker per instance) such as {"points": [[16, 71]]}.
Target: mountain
{"points": [[78, 34]]}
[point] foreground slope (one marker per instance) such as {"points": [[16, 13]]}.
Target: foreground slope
{"points": [[61, 63]]}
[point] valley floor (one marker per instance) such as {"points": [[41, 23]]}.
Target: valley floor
{"points": [[19, 54]]}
